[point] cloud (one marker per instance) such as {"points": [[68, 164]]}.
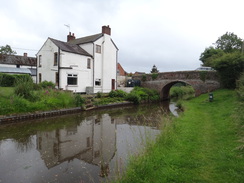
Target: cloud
{"points": [[169, 34]]}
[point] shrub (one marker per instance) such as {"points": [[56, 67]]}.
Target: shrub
{"points": [[79, 101], [121, 93], [117, 93], [99, 95], [154, 76], [112, 94], [133, 97], [47, 84], [146, 94], [24, 87], [9, 80]]}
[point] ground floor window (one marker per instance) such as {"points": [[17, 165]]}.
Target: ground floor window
{"points": [[98, 82], [56, 78], [72, 79], [40, 77]]}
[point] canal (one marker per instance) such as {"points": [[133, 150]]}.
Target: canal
{"points": [[92, 146]]}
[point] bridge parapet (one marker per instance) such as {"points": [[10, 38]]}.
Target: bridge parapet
{"points": [[179, 75]]}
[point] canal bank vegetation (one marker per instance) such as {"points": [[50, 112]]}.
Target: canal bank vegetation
{"points": [[24, 96], [180, 91], [205, 144], [136, 96]]}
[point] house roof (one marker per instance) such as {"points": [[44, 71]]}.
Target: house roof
{"points": [[87, 39], [17, 60], [15, 70], [69, 47]]}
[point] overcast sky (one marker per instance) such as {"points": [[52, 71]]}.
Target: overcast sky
{"points": [[168, 33]]}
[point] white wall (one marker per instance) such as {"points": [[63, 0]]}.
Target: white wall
{"points": [[47, 69], [70, 63], [105, 64], [78, 63]]}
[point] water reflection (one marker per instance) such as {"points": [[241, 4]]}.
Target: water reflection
{"points": [[92, 141], [88, 147]]}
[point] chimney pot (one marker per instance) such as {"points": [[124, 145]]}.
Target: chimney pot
{"points": [[25, 54], [70, 37]]}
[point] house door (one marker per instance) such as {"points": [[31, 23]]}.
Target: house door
{"points": [[113, 84]]}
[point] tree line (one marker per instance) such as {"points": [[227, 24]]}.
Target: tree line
{"points": [[227, 57]]}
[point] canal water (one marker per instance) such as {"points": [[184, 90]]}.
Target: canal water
{"points": [[92, 146]]}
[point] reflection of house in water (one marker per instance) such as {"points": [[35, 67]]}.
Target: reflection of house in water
{"points": [[93, 141]]}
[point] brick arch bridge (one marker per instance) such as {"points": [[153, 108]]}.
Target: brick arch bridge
{"points": [[201, 81]]}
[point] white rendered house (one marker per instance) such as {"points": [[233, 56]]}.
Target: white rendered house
{"points": [[83, 65]]}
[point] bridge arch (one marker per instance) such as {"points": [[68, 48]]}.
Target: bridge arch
{"points": [[202, 82], [165, 91]]}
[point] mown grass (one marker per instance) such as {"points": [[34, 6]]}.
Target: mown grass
{"points": [[200, 146]]}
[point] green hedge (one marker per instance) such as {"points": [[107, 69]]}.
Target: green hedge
{"points": [[9, 80]]}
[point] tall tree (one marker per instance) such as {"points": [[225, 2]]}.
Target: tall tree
{"points": [[6, 50], [154, 69], [209, 54], [226, 58], [229, 66], [229, 42]]}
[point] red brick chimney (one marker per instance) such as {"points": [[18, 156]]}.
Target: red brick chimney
{"points": [[106, 30], [70, 37]]}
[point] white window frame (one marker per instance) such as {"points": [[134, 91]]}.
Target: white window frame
{"points": [[73, 76]]}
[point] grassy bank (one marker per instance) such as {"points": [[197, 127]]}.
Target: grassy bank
{"points": [[203, 145], [40, 100], [28, 97]]}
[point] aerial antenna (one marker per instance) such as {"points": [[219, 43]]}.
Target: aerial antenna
{"points": [[67, 25]]}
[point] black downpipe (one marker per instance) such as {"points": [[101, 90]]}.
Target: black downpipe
{"points": [[58, 68]]}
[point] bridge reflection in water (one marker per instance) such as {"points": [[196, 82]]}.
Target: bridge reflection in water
{"points": [[88, 147]]}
